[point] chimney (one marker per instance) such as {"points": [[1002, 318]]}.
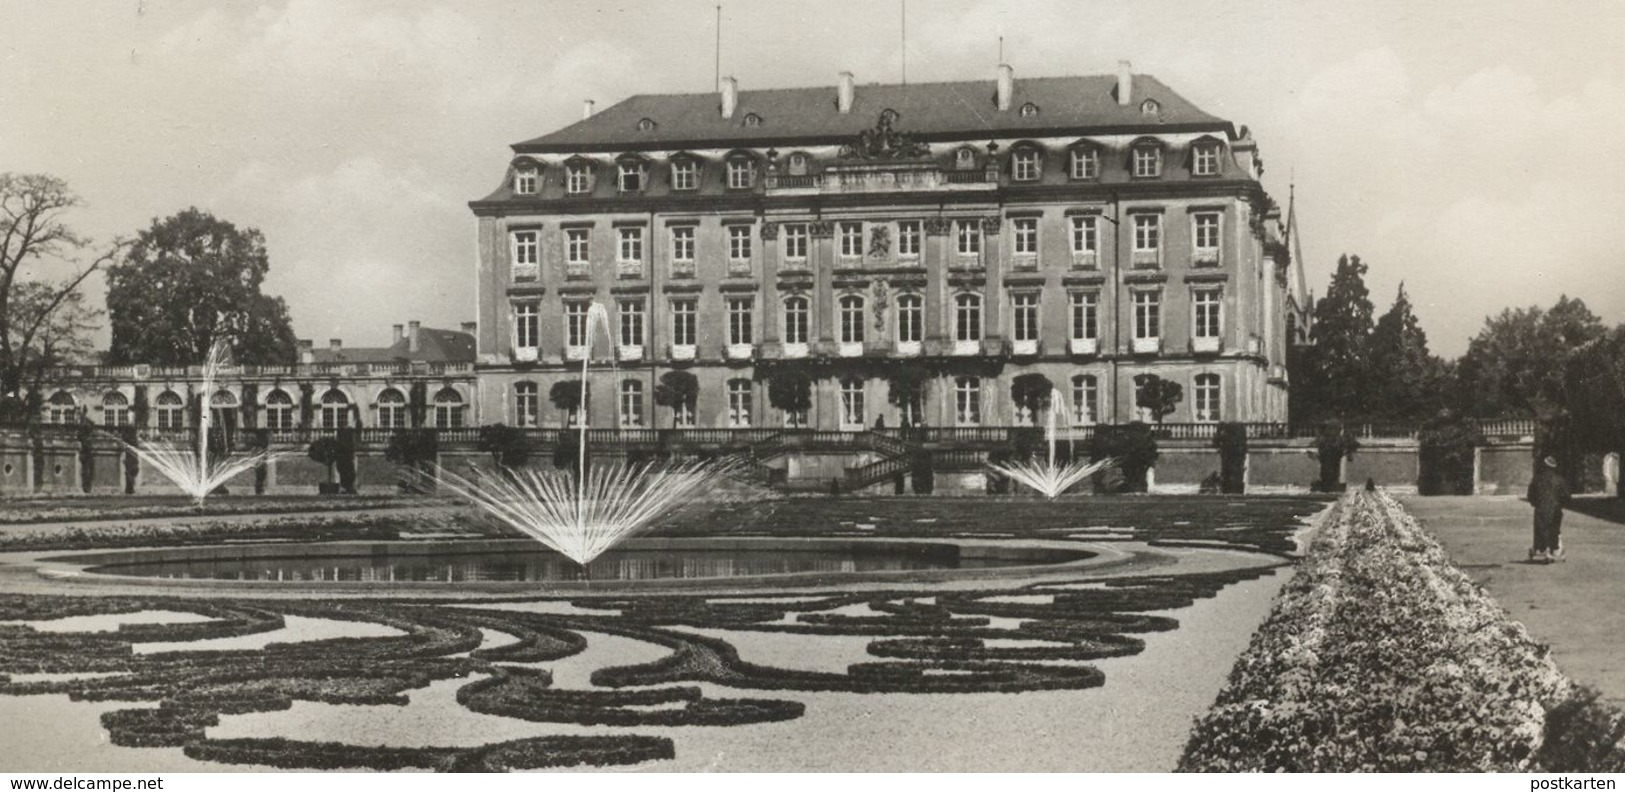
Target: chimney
{"points": [[471, 327], [844, 92], [335, 344], [412, 338], [586, 110], [730, 96], [395, 334], [1125, 83], [1007, 85], [307, 351]]}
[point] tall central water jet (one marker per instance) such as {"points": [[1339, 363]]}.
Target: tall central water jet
{"points": [[1046, 476], [582, 515]]}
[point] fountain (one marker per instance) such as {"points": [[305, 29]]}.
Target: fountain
{"points": [[193, 471], [582, 515], [1047, 476]]}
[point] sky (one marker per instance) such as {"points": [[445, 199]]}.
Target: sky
{"points": [[1462, 148]]}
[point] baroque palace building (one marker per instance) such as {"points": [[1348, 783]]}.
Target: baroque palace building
{"points": [[1089, 229]]}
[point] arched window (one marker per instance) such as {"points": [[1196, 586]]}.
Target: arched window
{"points": [[967, 401], [1085, 399], [741, 172], [795, 319], [1084, 162], [910, 319], [798, 164], [852, 319], [852, 407], [1028, 110], [392, 409], [965, 159], [632, 174], [335, 409], [631, 404], [448, 409], [525, 178], [1025, 163], [171, 410], [1205, 156], [578, 177], [739, 403], [526, 404], [223, 410], [278, 410], [61, 409], [115, 409], [968, 317], [685, 173], [1145, 158], [1207, 398], [753, 120]]}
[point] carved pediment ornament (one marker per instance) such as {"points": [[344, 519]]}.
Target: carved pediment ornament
{"points": [[770, 230], [991, 223], [821, 229], [884, 142], [937, 226]]}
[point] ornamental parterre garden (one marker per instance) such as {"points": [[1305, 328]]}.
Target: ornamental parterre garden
{"points": [[1377, 654]]}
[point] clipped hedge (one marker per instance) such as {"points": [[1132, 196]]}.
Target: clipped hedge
{"points": [[1381, 656]]}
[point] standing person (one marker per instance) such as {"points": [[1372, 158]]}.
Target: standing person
{"points": [[1548, 493]]}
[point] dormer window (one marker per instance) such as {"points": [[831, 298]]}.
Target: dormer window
{"points": [[888, 116], [1205, 159], [685, 174], [741, 173], [1024, 164], [1085, 163], [632, 176], [965, 159], [646, 125], [524, 180], [1147, 160], [798, 164], [1150, 107], [578, 178], [1029, 109], [753, 120]]}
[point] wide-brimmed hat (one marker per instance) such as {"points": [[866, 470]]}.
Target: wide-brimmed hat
{"points": [[1550, 461]]}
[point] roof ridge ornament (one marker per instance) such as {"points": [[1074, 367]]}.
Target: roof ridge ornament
{"points": [[884, 142]]}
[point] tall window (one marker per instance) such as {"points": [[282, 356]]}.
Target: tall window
{"points": [[969, 234], [631, 247], [1147, 314], [1147, 233], [525, 249], [1085, 163], [795, 242], [1147, 162], [448, 409], [1024, 312], [851, 319], [1208, 314], [967, 401], [1205, 160], [61, 409], [1085, 315], [391, 409], [682, 414], [795, 319], [741, 315], [278, 410], [1085, 235], [577, 246], [526, 325], [524, 181], [683, 321], [1024, 165], [223, 409], [739, 243], [631, 404], [685, 174], [851, 240], [1205, 234], [739, 403], [115, 409], [575, 324], [577, 178], [682, 246], [631, 176], [1207, 397], [335, 409], [908, 239], [852, 413], [968, 317], [739, 173], [632, 317], [910, 319], [1025, 230], [1085, 399], [526, 404], [171, 410]]}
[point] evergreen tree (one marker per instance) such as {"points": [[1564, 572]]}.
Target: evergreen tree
{"points": [[1340, 367], [1405, 380]]}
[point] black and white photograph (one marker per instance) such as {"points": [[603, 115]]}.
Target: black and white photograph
{"points": [[835, 386]]}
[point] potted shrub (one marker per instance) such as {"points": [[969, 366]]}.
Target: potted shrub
{"points": [[325, 451]]}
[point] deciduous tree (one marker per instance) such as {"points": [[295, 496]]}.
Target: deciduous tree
{"points": [[1157, 396], [677, 390], [1514, 366]]}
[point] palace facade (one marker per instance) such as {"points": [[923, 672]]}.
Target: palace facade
{"points": [[910, 249]]}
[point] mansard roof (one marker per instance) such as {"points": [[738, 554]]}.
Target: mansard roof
{"points": [[929, 111]]}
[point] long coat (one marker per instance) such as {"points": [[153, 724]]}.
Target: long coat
{"points": [[1548, 493]]}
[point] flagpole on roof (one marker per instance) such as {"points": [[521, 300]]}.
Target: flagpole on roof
{"points": [[716, 76]]}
